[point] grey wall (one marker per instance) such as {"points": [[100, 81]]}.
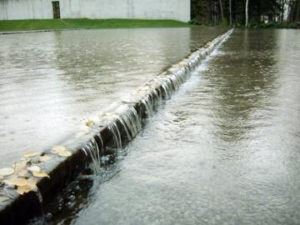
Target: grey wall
{"points": [[25, 9], [148, 9]]}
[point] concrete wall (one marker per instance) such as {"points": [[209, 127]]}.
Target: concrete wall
{"points": [[25, 9], [103, 9]]}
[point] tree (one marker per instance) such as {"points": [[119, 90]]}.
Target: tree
{"points": [[294, 11], [230, 12], [247, 13], [221, 10], [243, 11]]}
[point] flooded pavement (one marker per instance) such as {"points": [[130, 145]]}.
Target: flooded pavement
{"points": [[224, 150], [50, 82]]}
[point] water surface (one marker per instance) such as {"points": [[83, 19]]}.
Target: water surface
{"points": [[50, 82], [224, 150]]}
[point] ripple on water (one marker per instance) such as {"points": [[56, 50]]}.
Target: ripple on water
{"points": [[224, 152], [51, 77]]}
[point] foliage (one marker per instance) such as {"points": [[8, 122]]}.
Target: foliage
{"points": [[271, 11], [294, 10]]}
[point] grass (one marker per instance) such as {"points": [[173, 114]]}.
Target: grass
{"points": [[57, 24]]}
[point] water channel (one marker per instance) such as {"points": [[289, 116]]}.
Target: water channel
{"points": [[223, 150], [50, 82]]}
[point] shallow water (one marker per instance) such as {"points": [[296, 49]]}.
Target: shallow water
{"points": [[224, 150], [50, 82]]}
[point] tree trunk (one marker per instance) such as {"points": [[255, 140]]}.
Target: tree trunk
{"points": [[298, 12], [221, 10], [247, 13], [290, 12], [230, 13]]}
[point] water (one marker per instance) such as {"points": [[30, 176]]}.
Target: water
{"points": [[51, 82], [224, 150], [126, 119]]}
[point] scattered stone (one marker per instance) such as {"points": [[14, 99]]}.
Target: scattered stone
{"points": [[90, 123], [30, 186], [34, 169], [16, 181], [20, 169], [6, 171], [20, 165], [24, 173], [40, 174], [65, 154], [31, 154], [23, 190], [61, 151]]}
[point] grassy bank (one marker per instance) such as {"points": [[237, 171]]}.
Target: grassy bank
{"points": [[25, 25]]}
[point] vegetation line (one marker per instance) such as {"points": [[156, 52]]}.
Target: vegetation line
{"points": [[247, 13], [56, 24]]}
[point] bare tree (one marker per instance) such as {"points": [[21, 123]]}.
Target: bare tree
{"points": [[247, 13], [297, 17], [221, 10], [230, 12]]}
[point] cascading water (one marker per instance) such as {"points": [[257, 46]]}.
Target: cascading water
{"points": [[92, 149], [126, 120], [103, 136]]}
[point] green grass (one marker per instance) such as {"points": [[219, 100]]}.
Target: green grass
{"points": [[56, 24]]}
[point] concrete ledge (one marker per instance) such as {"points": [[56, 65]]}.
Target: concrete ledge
{"points": [[100, 138]]}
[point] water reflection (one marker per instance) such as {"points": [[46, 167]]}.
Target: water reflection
{"points": [[244, 83]]}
